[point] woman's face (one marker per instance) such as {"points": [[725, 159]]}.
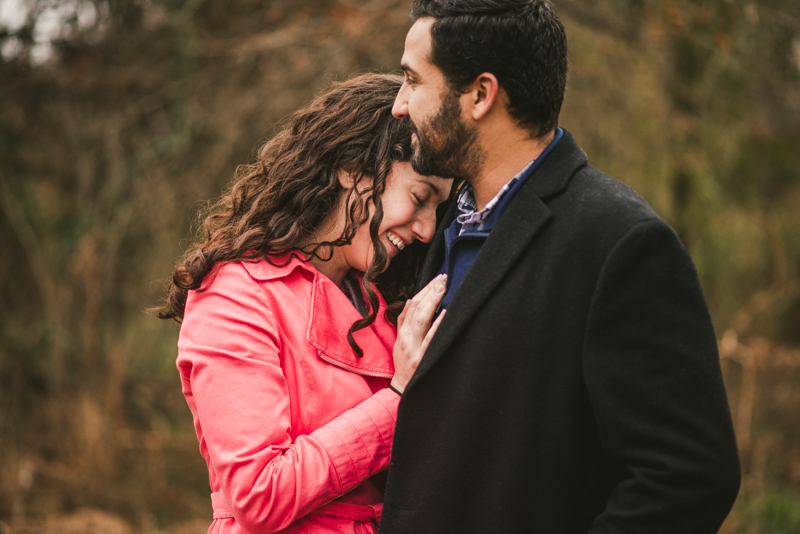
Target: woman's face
{"points": [[409, 213]]}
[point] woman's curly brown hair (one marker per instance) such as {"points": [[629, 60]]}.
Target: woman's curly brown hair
{"points": [[278, 204]]}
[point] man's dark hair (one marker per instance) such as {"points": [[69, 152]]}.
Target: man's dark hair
{"points": [[522, 42]]}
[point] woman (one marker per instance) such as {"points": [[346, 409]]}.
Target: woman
{"points": [[286, 347]]}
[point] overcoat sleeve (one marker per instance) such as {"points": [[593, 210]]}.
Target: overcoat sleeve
{"points": [[229, 358], [652, 373]]}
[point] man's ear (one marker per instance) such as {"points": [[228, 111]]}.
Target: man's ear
{"points": [[483, 95]]}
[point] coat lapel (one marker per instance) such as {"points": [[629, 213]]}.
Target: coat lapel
{"points": [[332, 315], [523, 219], [496, 257]]}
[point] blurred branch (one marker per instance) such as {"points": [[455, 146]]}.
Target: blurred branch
{"points": [[591, 15], [43, 278], [299, 32], [34, 252], [781, 287]]}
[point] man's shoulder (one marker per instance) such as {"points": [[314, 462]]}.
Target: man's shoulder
{"points": [[574, 189], [595, 211], [595, 200]]}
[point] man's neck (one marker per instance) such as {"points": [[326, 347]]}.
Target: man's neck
{"points": [[504, 157]]}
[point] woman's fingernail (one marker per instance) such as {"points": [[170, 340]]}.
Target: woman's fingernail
{"points": [[440, 287]]}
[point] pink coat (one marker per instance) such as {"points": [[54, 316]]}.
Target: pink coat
{"points": [[294, 427]]}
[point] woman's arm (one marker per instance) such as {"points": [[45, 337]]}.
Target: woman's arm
{"points": [[230, 365]]}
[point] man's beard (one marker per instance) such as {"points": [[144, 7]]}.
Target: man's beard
{"points": [[446, 146]]}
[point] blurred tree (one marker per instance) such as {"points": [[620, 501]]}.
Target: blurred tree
{"points": [[720, 127], [119, 117], [105, 145]]}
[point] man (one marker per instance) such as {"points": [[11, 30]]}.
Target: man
{"points": [[574, 384]]}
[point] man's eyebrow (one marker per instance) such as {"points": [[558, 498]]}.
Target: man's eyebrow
{"points": [[408, 69]]}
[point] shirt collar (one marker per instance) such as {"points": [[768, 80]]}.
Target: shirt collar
{"points": [[470, 217], [469, 214]]}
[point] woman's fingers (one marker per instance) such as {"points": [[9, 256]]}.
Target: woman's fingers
{"points": [[431, 332], [424, 310], [424, 292], [422, 298], [409, 308], [411, 304], [414, 330], [402, 317]]}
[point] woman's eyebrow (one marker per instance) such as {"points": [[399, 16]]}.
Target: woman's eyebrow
{"points": [[431, 185]]}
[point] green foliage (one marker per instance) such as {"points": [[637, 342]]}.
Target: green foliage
{"points": [[779, 514], [772, 513]]}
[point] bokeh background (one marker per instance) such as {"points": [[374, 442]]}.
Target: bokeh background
{"points": [[120, 118]]}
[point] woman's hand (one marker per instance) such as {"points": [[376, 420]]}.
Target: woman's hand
{"points": [[415, 331]]}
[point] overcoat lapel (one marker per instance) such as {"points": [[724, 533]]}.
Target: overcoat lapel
{"points": [[496, 257], [525, 216]]}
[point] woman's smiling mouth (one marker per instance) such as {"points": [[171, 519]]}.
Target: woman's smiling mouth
{"points": [[395, 240]]}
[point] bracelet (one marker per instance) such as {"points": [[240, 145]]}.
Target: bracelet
{"points": [[395, 390]]}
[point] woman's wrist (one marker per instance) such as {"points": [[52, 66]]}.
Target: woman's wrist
{"points": [[397, 388]]}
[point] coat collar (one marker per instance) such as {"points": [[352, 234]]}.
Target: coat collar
{"points": [[553, 175], [548, 180], [525, 216], [332, 315]]}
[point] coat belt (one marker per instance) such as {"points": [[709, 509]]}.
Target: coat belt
{"points": [[345, 510], [220, 505]]}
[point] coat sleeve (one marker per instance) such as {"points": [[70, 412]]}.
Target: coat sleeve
{"points": [[653, 376], [229, 358]]}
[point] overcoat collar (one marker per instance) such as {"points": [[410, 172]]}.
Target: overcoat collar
{"points": [[332, 315], [524, 217]]}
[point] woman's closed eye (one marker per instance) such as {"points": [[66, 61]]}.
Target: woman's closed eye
{"points": [[420, 200]]}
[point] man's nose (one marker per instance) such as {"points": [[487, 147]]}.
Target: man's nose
{"points": [[400, 107]]}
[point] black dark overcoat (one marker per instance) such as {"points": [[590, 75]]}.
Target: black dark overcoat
{"points": [[574, 385]]}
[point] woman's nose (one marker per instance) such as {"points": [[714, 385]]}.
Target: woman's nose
{"points": [[424, 227]]}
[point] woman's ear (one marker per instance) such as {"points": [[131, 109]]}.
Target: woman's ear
{"points": [[345, 179]]}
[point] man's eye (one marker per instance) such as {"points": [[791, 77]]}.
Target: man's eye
{"points": [[417, 200]]}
